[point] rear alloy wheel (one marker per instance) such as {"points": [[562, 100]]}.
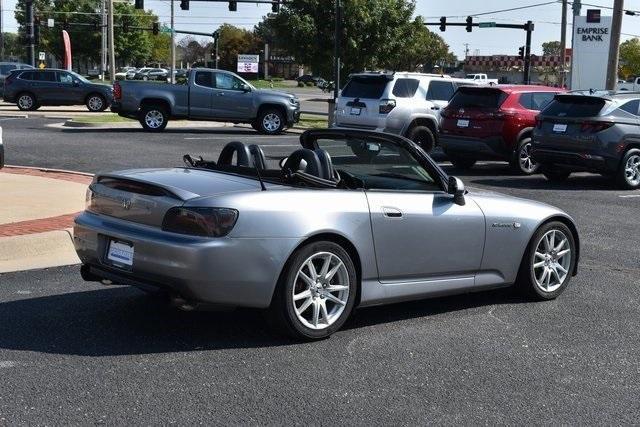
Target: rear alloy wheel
{"points": [[26, 102], [522, 161], [548, 263], [153, 118], [423, 136], [553, 174], [317, 291], [96, 103], [271, 122], [628, 175], [463, 163]]}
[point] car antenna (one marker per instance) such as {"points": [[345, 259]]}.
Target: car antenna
{"points": [[262, 186]]}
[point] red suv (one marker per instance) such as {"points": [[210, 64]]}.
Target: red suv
{"points": [[493, 123]]}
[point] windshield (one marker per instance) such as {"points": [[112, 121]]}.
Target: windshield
{"points": [[574, 106], [367, 87], [470, 97], [79, 77]]}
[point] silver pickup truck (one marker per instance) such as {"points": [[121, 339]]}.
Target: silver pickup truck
{"points": [[213, 95]]}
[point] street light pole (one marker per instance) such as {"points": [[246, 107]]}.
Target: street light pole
{"points": [[563, 42], [112, 45], [336, 50], [173, 45], [103, 41], [614, 46]]}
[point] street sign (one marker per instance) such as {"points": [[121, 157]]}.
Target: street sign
{"points": [[41, 56], [165, 29], [50, 23], [486, 24], [248, 63]]}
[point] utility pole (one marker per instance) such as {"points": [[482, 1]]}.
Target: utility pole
{"points": [[527, 53], [1, 34], [103, 40], [172, 77], [336, 50], [31, 51], [217, 40], [563, 42], [614, 46], [466, 51], [112, 45], [266, 60]]}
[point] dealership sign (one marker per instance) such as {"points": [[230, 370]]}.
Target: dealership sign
{"points": [[248, 63], [591, 39]]}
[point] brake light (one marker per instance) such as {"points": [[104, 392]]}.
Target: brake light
{"points": [[200, 221], [117, 91], [593, 127], [386, 105]]}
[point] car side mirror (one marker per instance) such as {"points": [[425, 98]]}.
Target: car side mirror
{"points": [[245, 88], [76, 82], [456, 189]]}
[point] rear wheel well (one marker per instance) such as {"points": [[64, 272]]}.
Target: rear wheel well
{"points": [[424, 122], [156, 101], [339, 240]]}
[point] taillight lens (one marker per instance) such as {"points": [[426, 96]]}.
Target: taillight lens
{"points": [[386, 105], [117, 91], [198, 221], [89, 196], [593, 127]]}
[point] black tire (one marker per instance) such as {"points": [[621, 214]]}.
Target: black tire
{"points": [[527, 281], [283, 307], [271, 121], [553, 174], [423, 136], [460, 162], [26, 102], [624, 178], [521, 161], [153, 117], [96, 103], [255, 126]]}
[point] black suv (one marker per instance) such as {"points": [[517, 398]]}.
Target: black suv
{"points": [[590, 132], [30, 89]]}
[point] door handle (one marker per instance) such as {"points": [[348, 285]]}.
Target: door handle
{"points": [[391, 212]]}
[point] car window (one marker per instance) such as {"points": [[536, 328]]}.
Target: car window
{"points": [[405, 88], [45, 76], [228, 82], [474, 97], [379, 164], [365, 87], [440, 91], [5, 68], [574, 106], [631, 107], [27, 75], [526, 100], [539, 100], [203, 78], [65, 77]]}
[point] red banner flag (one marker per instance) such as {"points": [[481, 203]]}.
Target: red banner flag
{"points": [[67, 50]]}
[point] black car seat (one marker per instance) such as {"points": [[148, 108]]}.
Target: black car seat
{"points": [[258, 159], [243, 155], [326, 165], [295, 161]]}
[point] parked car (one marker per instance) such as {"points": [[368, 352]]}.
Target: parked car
{"points": [[352, 218], [594, 133], [632, 84], [123, 72], [7, 67], [152, 74], [213, 95], [30, 89], [406, 104], [481, 78], [131, 74], [308, 78], [493, 123]]}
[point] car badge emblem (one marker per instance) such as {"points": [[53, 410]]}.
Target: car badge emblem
{"points": [[126, 204], [461, 111]]}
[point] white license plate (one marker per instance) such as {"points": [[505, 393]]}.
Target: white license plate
{"points": [[463, 123], [559, 127], [355, 111], [120, 254]]}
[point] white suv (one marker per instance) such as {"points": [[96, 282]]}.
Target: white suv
{"points": [[406, 104]]}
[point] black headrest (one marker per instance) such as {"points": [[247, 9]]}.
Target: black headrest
{"points": [[242, 154], [258, 159], [326, 165], [292, 164]]}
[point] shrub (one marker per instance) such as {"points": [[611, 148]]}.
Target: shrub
{"points": [[310, 84], [300, 84]]}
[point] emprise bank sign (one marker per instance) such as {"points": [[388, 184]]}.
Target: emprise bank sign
{"points": [[591, 39]]}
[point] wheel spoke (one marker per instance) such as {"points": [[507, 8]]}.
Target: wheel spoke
{"points": [[301, 295], [312, 270], [316, 313], [334, 270], [323, 311], [325, 266], [306, 279], [337, 288], [304, 306], [563, 253], [545, 273], [540, 255], [538, 264], [561, 268], [335, 299]]}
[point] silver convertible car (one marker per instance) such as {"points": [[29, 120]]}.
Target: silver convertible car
{"points": [[350, 219]]}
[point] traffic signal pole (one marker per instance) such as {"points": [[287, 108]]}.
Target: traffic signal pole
{"points": [[527, 54], [172, 77], [31, 51]]}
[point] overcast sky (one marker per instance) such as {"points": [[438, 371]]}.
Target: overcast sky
{"points": [[206, 17]]}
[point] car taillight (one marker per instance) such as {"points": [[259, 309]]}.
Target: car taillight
{"points": [[117, 91], [593, 127], [199, 221], [386, 105]]}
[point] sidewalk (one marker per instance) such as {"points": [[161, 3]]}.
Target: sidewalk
{"points": [[36, 217]]}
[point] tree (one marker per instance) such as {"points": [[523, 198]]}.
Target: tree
{"points": [[376, 34], [234, 41], [551, 48], [13, 47], [192, 50], [630, 58]]}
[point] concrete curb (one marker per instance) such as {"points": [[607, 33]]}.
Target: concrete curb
{"points": [[70, 124], [35, 251], [49, 170]]}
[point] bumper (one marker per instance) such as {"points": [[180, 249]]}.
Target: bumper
{"points": [[293, 116], [478, 148], [574, 160], [226, 271]]}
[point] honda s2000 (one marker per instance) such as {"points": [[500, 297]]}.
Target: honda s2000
{"points": [[350, 219]]}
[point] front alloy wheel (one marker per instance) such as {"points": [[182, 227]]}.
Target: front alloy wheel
{"points": [[95, 103], [316, 293], [26, 102], [629, 174], [271, 122]]}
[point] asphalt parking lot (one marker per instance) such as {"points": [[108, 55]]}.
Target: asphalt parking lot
{"points": [[76, 353]]}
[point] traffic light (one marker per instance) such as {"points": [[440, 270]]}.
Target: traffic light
{"points": [[184, 4], [233, 6], [275, 6], [443, 23], [469, 24], [521, 52], [155, 28], [139, 4]]}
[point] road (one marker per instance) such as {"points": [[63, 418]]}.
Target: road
{"points": [[78, 353]]}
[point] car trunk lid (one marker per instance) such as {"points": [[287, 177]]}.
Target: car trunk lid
{"points": [[475, 111], [359, 101]]}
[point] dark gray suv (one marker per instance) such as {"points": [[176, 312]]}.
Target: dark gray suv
{"points": [[590, 132], [30, 89]]}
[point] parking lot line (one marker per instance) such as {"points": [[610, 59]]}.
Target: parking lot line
{"points": [[628, 196]]}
